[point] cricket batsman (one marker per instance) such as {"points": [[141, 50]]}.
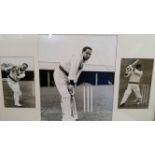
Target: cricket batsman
{"points": [[65, 77], [134, 73], [16, 73]]}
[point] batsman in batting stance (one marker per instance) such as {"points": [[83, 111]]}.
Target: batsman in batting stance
{"points": [[15, 74], [134, 73], [65, 77]]}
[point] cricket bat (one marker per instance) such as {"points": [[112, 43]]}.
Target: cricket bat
{"points": [[73, 107], [135, 62]]}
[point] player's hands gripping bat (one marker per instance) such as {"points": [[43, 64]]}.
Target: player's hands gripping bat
{"points": [[71, 89], [130, 68]]}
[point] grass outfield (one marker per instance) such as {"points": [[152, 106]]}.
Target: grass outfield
{"points": [[102, 103]]}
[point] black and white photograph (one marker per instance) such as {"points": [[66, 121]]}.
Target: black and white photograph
{"points": [[18, 81], [135, 83], [77, 77]]}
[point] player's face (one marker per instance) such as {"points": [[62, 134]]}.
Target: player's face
{"points": [[24, 67], [87, 54]]}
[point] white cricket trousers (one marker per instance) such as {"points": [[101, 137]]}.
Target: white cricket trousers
{"points": [[61, 83], [131, 87], [16, 90]]}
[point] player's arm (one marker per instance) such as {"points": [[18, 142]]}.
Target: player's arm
{"points": [[7, 67], [128, 71], [77, 77], [73, 73], [132, 66], [74, 69], [21, 75]]}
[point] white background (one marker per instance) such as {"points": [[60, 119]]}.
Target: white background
{"points": [[69, 16]]}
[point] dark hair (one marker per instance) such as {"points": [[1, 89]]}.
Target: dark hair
{"points": [[85, 48], [138, 66], [25, 64]]}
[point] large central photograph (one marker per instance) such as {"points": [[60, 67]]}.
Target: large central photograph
{"points": [[77, 77]]}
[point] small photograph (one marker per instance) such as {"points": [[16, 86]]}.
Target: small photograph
{"points": [[77, 77], [18, 82], [135, 83]]}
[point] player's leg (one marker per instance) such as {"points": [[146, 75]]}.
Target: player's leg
{"points": [[61, 85], [16, 91], [137, 93], [126, 95], [17, 94]]}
